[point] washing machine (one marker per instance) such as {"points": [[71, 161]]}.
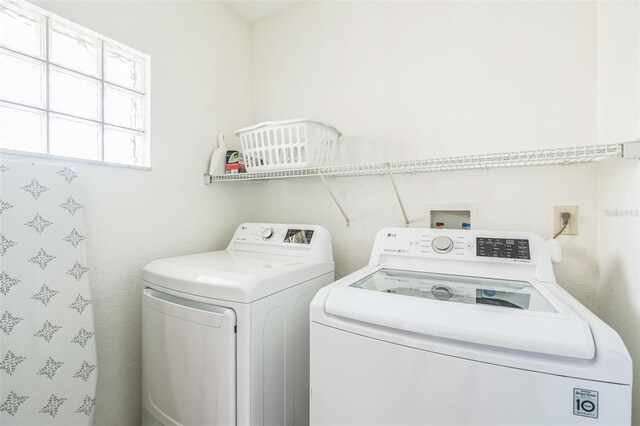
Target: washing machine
{"points": [[225, 334], [462, 327]]}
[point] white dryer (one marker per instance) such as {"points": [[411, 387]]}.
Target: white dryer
{"points": [[225, 334], [462, 328]]}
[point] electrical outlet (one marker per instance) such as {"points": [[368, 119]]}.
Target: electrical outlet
{"points": [[572, 227]]}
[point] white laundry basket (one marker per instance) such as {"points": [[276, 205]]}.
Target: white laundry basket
{"points": [[290, 144]]}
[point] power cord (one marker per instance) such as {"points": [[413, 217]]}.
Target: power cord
{"points": [[564, 216]]}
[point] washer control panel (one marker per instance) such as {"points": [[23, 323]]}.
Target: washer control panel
{"points": [[488, 246], [504, 248]]}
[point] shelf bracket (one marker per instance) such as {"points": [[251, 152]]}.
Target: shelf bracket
{"points": [[335, 200], [395, 189], [631, 150]]}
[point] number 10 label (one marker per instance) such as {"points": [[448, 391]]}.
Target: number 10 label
{"points": [[585, 403]]}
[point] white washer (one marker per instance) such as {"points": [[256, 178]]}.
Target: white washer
{"points": [[462, 328], [225, 334]]}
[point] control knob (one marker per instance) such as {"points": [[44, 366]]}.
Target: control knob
{"points": [[442, 244], [268, 233]]}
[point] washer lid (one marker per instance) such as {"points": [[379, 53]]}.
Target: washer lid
{"points": [[500, 313], [232, 275]]}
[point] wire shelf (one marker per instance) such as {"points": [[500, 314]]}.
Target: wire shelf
{"points": [[541, 157]]}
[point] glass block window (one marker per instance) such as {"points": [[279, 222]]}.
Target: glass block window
{"points": [[67, 91]]}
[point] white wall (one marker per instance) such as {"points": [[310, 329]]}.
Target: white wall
{"points": [[421, 79], [200, 78], [405, 79], [618, 183]]}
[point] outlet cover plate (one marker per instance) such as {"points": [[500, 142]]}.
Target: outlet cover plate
{"points": [[572, 228]]}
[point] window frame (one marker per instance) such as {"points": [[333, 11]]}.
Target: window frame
{"points": [[145, 92]]}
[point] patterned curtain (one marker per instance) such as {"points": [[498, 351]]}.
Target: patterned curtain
{"points": [[48, 364]]}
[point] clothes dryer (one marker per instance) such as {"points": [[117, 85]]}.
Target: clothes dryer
{"points": [[225, 334]]}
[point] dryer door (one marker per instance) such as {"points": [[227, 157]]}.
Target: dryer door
{"points": [[188, 361]]}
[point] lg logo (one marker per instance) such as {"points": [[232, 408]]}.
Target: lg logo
{"points": [[391, 235]]}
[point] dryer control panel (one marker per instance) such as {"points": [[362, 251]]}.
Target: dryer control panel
{"points": [[305, 240], [275, 233]]}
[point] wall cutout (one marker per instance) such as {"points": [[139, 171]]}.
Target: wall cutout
{"points": [[453, 216]]}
